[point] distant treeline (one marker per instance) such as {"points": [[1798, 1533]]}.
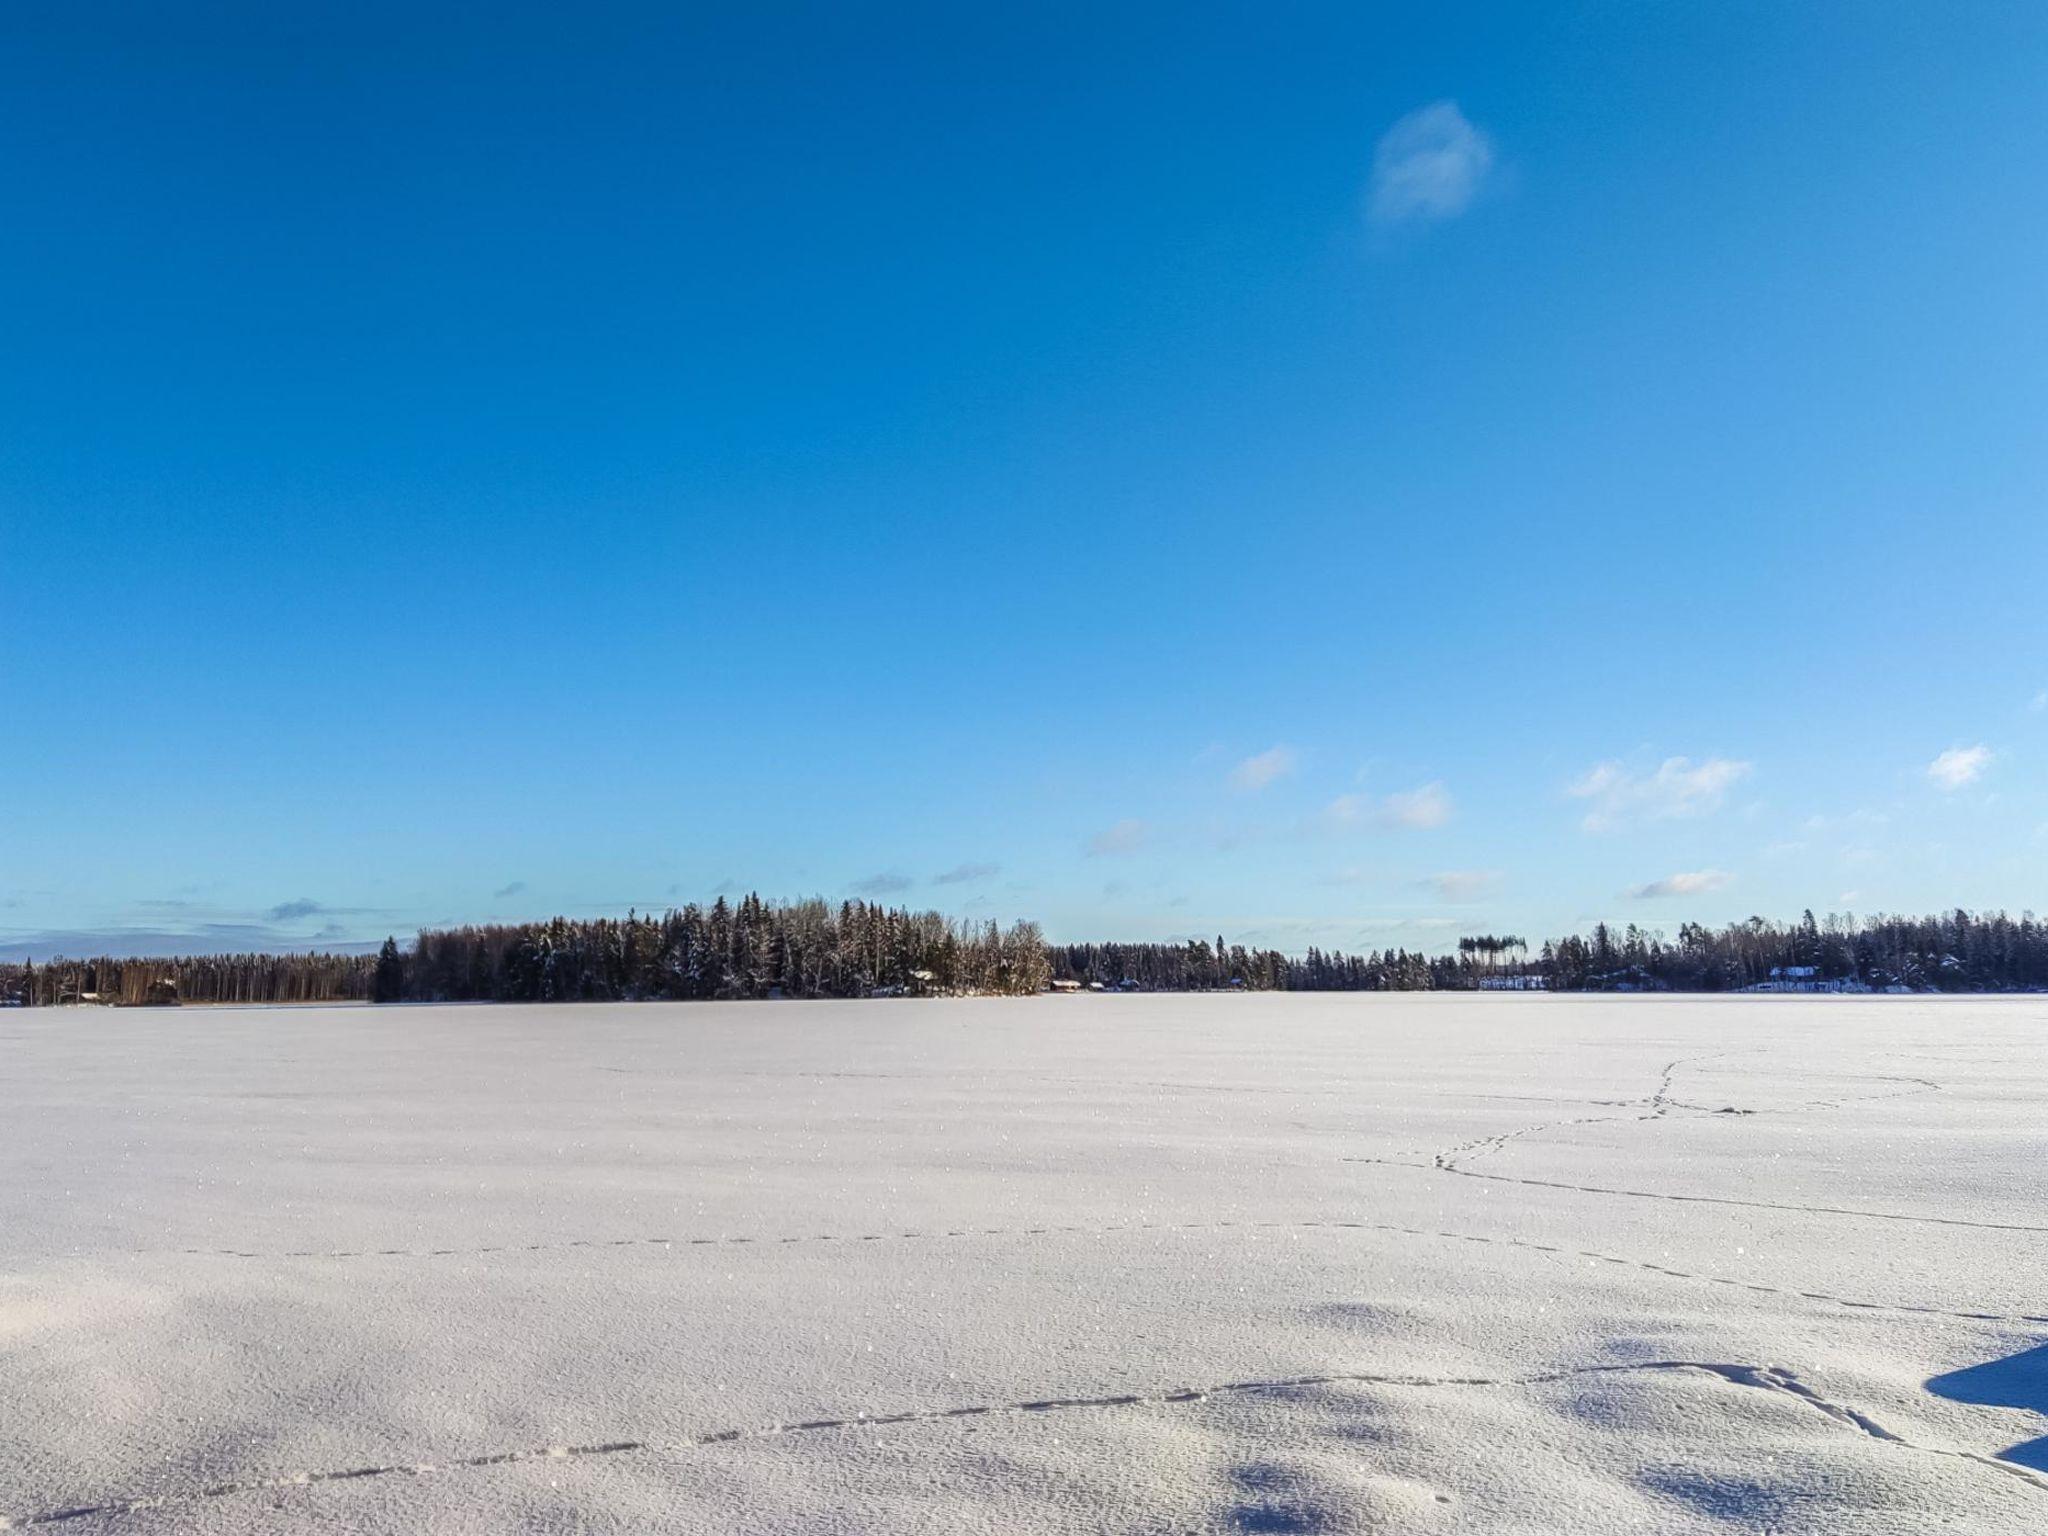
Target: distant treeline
{"points": [[1954, 952], [1199, 966], [742, 949], [729, 950], [753, 949], [189, 978]]}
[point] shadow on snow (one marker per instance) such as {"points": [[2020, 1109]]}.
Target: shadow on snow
{"points": [[2017, 1381]]}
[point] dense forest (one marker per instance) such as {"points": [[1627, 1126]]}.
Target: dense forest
{"points": [[1954, 952], [755, 949], [744, 949]]}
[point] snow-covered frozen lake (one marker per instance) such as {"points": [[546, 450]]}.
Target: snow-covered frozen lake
{"points": [[1163, 1264]]}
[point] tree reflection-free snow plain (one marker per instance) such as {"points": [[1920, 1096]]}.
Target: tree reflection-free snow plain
{"points": [[1171, 1263]]}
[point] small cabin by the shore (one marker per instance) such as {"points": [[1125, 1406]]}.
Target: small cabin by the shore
{"points": [[1807, 978]]}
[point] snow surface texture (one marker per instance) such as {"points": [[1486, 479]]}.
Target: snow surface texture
{"points": [[1160, 1264]]}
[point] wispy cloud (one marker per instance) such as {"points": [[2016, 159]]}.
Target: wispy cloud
{"points": [[883, 885], [199, 939], [1428, 167], [1262, 768], [1463, 884], [290, 911], [1429, 805], [1679, 788], [1692, 883], [966, 874], [517, 887], [1127, 836], [1960, 766]]}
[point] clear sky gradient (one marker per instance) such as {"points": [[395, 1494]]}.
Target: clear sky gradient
{"points": [[1329, 474]]}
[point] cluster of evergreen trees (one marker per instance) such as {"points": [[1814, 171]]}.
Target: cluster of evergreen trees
{"points": [[1954, 952], [189, 978], [813, 949], [728, 950], [1198, 966]]}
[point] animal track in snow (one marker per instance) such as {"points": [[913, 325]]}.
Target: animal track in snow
{"points": [[1757, 1205], [1055, 1230], [1768, 1378], [1661, 1103]]}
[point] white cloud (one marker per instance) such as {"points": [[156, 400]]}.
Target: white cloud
{"points": [[2039, 702], [1428, 166], [1463, 884], [1427, 806], [1261, 769], [1127, 836], [1693, 883], [1678, 788], [1960, 766]]}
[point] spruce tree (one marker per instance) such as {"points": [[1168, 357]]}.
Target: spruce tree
{"points": [[387, 983]]}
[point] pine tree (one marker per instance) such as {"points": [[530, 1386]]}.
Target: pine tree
{"points": [[387, 983]]}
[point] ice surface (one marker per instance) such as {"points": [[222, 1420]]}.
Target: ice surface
{"points": [[1161, 1264]]}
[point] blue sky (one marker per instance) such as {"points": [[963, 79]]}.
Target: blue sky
{"points": [[1328, 474]]}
